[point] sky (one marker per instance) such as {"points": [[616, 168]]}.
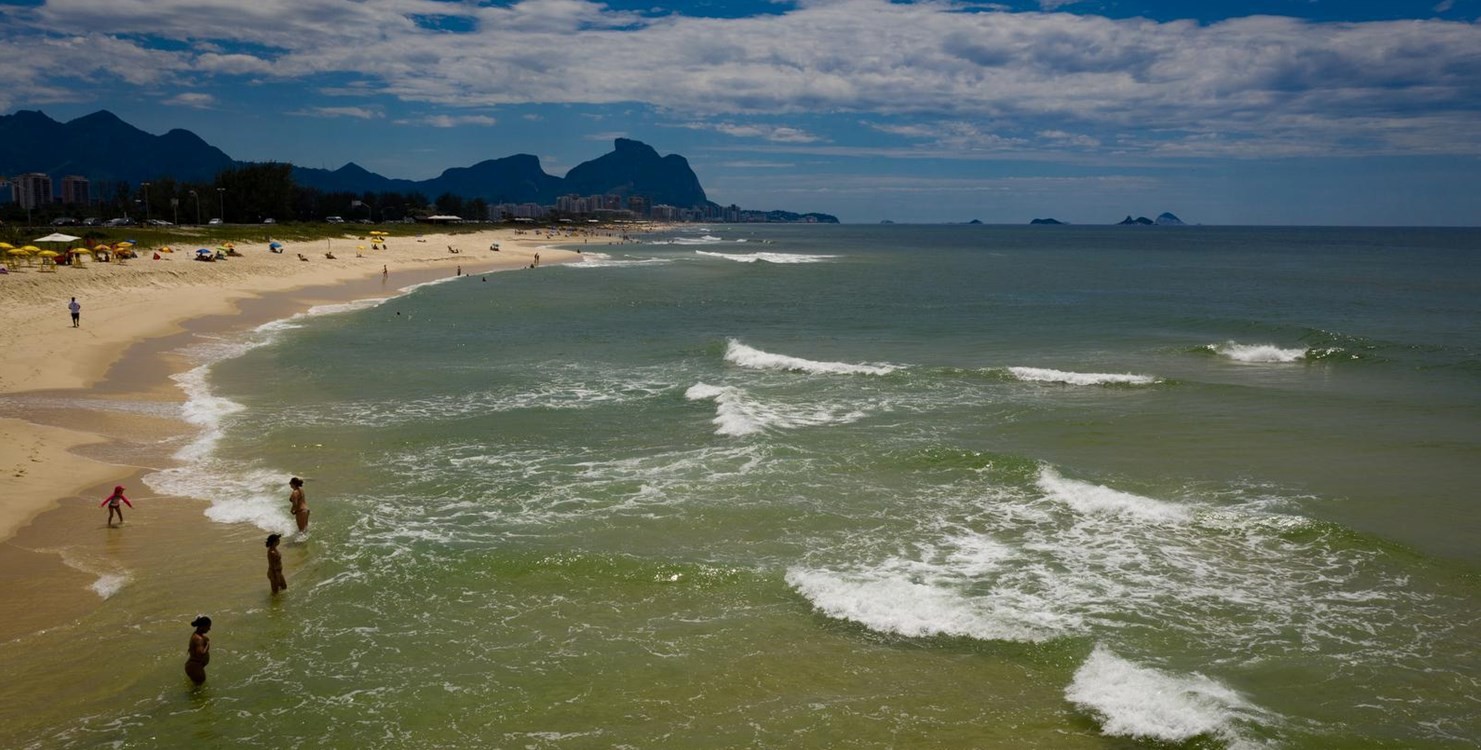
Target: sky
{"points": [[1321, 112]]}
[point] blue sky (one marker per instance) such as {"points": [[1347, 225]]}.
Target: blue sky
{"points": [[1254, 112]]}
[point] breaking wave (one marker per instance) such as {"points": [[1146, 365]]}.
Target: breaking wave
{"points": [[782, 258], [1042, 375], [745, 356]]}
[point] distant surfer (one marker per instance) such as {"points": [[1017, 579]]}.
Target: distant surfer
{"points": [[275, 564], [298, 505], [198, 653], [115, 503]]}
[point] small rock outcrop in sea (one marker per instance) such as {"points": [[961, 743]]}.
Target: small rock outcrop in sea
{"points": [[1168, 220], [1050, 221], [975, 221], [1139, 221]]}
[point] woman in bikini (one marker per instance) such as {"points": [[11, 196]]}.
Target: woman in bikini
{"points": [[199, 650], [297, 505], [275, 564]]}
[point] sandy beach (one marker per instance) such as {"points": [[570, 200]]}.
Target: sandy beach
{"points": [[82, 409]]}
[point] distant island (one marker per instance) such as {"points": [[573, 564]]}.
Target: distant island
{"points": [[1050, 221], [1162, 220]]}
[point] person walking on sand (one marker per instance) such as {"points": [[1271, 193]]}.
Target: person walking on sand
{"points": [[275, 564], [76, 311], [298, 505], [198, 653], [112, 501]]}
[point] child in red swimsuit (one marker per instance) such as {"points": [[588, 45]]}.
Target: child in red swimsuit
{"points": [[113, 507]]}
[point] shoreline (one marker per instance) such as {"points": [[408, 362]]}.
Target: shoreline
{"points": [[81, 413]]}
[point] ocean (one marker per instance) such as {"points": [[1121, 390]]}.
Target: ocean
{"points": [[847, 486]]}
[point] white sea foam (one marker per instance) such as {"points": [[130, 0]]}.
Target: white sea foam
{"points": [[736, 414], [1095, 499], [708, 239], [1146, 703], [782, 258], [203, 409], [1257, 353], [109, 579], [603, 260], [745, 356], [917, 599], [1041, 375], [109, 584]]}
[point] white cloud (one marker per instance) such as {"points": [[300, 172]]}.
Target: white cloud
{"points": [[449, 121], [358, 113], [981, 80], [773, 133], [197, 100]]}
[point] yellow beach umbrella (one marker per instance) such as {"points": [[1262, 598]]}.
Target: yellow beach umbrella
{"points": [[6, 246], [30, 249], [48, 253]]}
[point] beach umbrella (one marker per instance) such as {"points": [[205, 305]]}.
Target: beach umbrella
{"points": [[167, 249], [57, 237], [204, 251], [6, 246], [275, 245]]}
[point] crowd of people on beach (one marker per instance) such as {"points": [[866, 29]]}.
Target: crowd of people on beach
{"points": [[198, 651]]}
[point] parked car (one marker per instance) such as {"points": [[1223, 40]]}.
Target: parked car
{"points": [[119, 222], [334, 219], [91, 222], [214, 222], [269, 221], [159, 223], [64, 221]]}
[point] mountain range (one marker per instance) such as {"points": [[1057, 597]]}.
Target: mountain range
{"points": [[105, 149]]}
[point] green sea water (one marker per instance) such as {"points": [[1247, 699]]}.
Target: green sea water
{"points": [[869, 487]]}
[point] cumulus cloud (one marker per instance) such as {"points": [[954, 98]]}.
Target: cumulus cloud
{"points": [[979, 79]]}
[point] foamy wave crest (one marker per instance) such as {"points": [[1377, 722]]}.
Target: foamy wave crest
{"points": [[1041, 375], [1136, 701], [1095, 499], [708, 239], [1256, 353], [916, 600], [768, 257], [737, 415], [745, 356], [254, 496], [603, 260]]}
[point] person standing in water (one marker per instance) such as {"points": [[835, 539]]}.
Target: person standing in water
{"points": [[298, 505], [275, 564], [198, 653], [112, 501]]}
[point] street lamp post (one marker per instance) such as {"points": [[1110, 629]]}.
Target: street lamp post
{"points": [[197, 207], [221, 193], [145, 185]]}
